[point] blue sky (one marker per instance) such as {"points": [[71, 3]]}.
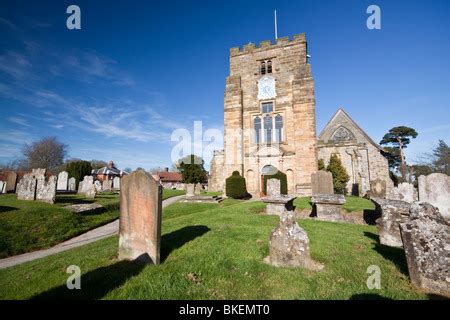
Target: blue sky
{"points": [[137, 70]]}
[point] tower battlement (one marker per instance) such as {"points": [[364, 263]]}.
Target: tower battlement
{"points": [[264, 45]]}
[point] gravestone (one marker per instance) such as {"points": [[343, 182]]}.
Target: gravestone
{"points": [[46, 190], [140, 218], [273, 187], [190, 190], [426, 239], [322, 182], [38, 173], [328, 206], [116, 183], [392, 214], [2, 186], [91, 191], [72, 184], [11, 181], [289, 245], [26, 188], [378, 188], [98, 186], [277, 205], [62, 184], [404, 192], [86, 185], [197, 189], [435, 189], [107, 185]]}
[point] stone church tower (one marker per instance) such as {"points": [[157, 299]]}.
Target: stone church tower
{"points": [[269, 117]]}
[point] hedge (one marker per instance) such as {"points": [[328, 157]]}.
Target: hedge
{"points": [[235, 186], [283, 182]]}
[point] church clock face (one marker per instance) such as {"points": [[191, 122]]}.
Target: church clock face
{"points": [[266, 88]]}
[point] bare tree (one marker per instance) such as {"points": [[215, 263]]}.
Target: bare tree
{"points": [[46, 153]]}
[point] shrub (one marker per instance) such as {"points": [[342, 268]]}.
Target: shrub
{"points": [[235, 186], [321, 164], [79, 169], [340, 175], [283, 182]]}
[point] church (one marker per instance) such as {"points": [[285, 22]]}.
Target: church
{"points": [[270, 124]]}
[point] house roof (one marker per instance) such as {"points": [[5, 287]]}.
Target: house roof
{"points": [[337, 117], [109, 171], [169, 176]]}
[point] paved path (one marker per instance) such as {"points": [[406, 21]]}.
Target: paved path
{"points": [[91, 236]]}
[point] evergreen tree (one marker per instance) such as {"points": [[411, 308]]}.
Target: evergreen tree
{"points": [[78, 169], [340, 175], [192, 170]]}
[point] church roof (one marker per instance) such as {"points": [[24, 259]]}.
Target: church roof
{"points": [[342, 119]]}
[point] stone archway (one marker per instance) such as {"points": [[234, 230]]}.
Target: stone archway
{"points": [[266, 170]]}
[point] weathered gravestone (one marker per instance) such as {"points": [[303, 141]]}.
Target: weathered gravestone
{"points": [[46, 190], [72, 184], [197, 189], [392, 214], [378, 188], [86, 185], [91, 192], [277, 205], [140, 218], [190, 190], [273, 187], [435, 189], [107, 185], [38, 173], [426, 239], [116, 183], [2, 186], [322, 182], [289, 245], [62, 184], [404, 192], [11, 181], [26, 188], [328, 206], [98, 186]]}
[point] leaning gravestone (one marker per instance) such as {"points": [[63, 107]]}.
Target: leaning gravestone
{"points": [[26, 188], [426, 239], [98, 186], [107, 185], [322, 182], [140, 218], [72, 184], [404, 192], [393, 213], [2, 186], [289, 245], [378, 188], [62, 184], [86, 185], [273, 187], [116, 183], [11, 182], [435, 189], [46, 190]]}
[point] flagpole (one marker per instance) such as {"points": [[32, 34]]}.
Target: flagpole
{"points": [[276, 28]]}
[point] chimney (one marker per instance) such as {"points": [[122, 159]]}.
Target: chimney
{"points": [[110, 164], [166, 169]]}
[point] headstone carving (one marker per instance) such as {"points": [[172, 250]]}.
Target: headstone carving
{"points": [[140, 218], [322, 182], [393, 213], [426, 239], [62, 184], [435, 189]]}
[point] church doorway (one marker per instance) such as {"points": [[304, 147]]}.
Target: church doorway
{"points": [[267, 170]]}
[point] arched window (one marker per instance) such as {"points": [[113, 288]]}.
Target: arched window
{"points": [[263, 67], [279, 127], [269, 66], [257, 125], [268, 128]]}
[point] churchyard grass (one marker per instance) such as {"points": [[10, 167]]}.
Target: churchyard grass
{"points": [[352, 204], [32, 225], [216, 251]]}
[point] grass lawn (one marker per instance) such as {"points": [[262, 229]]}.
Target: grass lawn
{"points": [[31, 225], [216, 251], [169, 193], [352, 203]]}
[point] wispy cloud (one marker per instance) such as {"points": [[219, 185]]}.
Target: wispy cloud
{"points": [[18, 120]]}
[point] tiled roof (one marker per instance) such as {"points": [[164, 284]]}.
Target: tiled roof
{"points": [[169, 176]]}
